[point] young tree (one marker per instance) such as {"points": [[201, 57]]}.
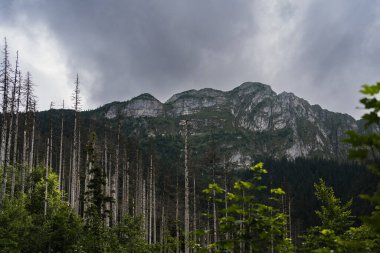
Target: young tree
{"points": [[251, 226], [366, 148], [97, 237], [335, 220]]}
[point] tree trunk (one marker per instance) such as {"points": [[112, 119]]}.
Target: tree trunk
{"points": [[11, 127], [4, 128], [177, 216], [60, 168], [187, 216], [154, 207], [46, 176]]}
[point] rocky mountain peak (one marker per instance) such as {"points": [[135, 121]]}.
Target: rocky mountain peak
{"points": [[251, 88], [145, 96], [281, 124], [144, 105]]}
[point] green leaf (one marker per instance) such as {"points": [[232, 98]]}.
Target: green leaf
{"points": [[278, 191]]}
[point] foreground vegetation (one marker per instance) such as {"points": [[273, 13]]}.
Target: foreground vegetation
{"points": [[78, 192]]}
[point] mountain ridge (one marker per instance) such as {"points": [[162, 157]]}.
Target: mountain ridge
{"points": [[283, 124]]}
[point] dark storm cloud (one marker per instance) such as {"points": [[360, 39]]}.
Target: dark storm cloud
{"points": [[320, 50], [138, 46]]}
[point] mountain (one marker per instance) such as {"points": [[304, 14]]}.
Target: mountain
{"points": [[249, 122]]}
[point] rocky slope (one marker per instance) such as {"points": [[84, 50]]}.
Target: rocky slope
{"points": [[252, 120]]}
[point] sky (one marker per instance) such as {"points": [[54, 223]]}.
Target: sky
{"points": [[322, 51]]}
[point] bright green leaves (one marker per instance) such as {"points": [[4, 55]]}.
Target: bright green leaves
{"points": [[245, 223], [278, 191], [259, 168], [371, 103], [239, 185], [371, 90]]}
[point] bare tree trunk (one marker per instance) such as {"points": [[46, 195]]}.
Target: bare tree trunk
{"points": [[144, 207], [69, 190], [78, 176], [31, 149], [113, 195], [154, 206], [46, 176], [116, 180], [87, 174], [187, 216], [127, 190], [177, 217], [290, 218], [60, 168], [194, 210], [4, 129], [124, 190], [162, 228], [225, 190], [215, 226], [150, 200], [28, 105], [108, 191], [15, 141], [74, 174], [13, 130]]}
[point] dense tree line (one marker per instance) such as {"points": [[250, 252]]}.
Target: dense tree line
{"points": [[72, 183]]}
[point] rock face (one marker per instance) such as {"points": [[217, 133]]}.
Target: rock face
{"points": [[283, 125], [144, 105]]}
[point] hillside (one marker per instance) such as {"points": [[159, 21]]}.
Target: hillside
{"points": [[251, 121]]}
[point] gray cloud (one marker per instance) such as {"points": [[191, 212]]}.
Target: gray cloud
{"points": [[320, 50]]}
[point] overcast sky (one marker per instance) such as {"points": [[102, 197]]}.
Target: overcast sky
{"points": [[322, 51]]}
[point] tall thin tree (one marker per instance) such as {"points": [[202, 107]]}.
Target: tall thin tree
{"points": [[5, 79], [13, 133]]}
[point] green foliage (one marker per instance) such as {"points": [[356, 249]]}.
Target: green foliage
{"points": [[335, 233], [16, 224], [247, 224], [335, 219], [366, 148], [131, 235], [97, 237], [333, 214], [25, 228]]}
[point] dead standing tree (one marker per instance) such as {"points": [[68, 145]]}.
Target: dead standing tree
{"points": [[4, 82], [28, 97], [15, 162], [185, 124], [75, 186]]}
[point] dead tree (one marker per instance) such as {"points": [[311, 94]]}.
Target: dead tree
{"points": [[60, 168], [75, 170], [186, 162], [27, 89], [115, 209], [15, 162], [13, 132], [5, 82]]}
